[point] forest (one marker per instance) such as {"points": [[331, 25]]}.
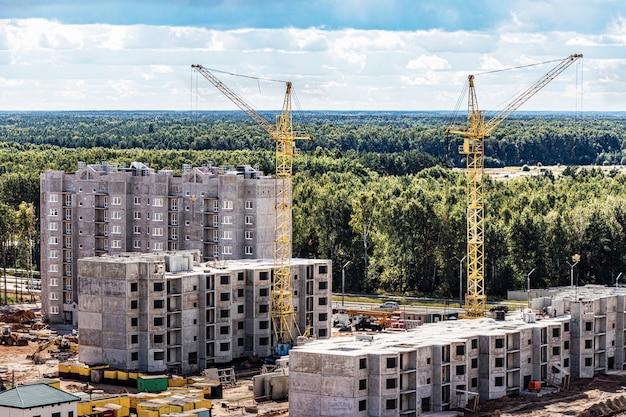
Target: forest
{"points": [[380, 189]]}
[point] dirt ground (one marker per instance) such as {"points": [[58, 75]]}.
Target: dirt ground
{"points": [[602, 396], [16, 369]]}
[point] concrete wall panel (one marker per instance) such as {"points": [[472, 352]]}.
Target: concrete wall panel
{"points": [[90, 354], [90, 322], [335, 406], [305, 362], [338, 386], [305, 405], [116, 340], [337, 366], [303, 382]]}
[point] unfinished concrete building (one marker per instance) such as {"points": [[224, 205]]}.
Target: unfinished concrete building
{"points": [[451, 364], [109, 209], [170, 312]]}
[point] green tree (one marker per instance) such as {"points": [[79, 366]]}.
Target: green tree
{"points": [[362, 221], [7, 227], [26, 233]]}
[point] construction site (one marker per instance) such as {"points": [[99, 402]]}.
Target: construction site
{"points": [[216, 326]]}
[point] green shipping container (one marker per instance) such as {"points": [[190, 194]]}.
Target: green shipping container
{"points": [[152, 383]]}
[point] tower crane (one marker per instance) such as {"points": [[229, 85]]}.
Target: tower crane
{"points": [[282, 312], [474, 134]]}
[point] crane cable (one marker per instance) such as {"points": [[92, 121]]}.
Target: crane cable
{"points": [[252, 77], [519, 67]]}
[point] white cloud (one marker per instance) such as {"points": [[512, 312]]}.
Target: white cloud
{"points": [[47, 65], [428, 62]]}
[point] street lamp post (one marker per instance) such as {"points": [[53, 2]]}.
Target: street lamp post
{"points": [[528, 281], [461, 279], [575, 259], [343, 280]]}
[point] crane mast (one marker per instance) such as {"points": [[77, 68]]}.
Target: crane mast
{"points": [[473, 148], [281, 310]]}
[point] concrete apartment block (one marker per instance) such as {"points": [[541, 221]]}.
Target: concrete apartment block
{"points": [[171, 312], [142, 312], [580, 335], [104, 208]]}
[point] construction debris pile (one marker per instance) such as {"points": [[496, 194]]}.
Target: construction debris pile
{"points": [[25, 317]]}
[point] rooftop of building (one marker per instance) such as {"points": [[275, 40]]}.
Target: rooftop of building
{"points": [[430, 334], [105, 167], [588, 292], [209, 267], [35, 395], [451, 331], [264, 263]]}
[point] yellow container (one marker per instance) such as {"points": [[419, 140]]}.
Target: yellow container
{"points": [[56, 383], [110, 374], [147, 413], [176, 381], [202, 386], [75, 369], [122, 376], [158, 405], [119, 410], [64, 368], [202, 403], [84, 371], [135, 399]]}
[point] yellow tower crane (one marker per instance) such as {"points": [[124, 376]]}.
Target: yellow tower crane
{"points": [[473, 148], [281, 311]]}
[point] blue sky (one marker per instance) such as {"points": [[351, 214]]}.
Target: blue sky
{"points": [[339, 54]]}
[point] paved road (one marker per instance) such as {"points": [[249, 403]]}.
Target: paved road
{"points": [[410, 309]]}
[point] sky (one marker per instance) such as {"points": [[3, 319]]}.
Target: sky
{"points": [[405, 55]]}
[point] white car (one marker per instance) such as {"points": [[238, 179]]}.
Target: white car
{"points": [[389, 305]]}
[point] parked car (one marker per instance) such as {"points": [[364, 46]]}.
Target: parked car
{"points": [[499, 308], [389, 305]]}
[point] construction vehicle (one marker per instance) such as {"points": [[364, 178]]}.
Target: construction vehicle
{"points": [[66, 349], [377, 320], [474, 133], [369, 323], [10, 338], [282, 312]]}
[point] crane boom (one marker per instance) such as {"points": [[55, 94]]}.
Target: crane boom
{"points": [[531, 91], [230, 94], [282, 312], [474, 133]]}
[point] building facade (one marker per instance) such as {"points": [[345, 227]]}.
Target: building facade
{"points": [[171, 312], [443, 366], [107, 209]]}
